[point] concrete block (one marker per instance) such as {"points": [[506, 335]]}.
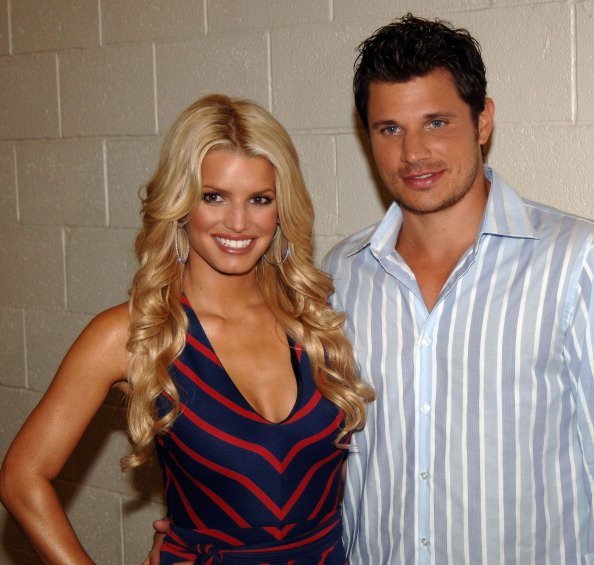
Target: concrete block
{"points": [[388, 10], [4, 37], [130, 164], [323, 244], [527, 52], [15, 407], [99, 267], [49, 336], [15, 548], [29, 102], [585, 61], [138, 530], [8, 195], [32, 267], [141, 20], [100, 536], [235, 65], [362, 197], [61, 182], [540, 162], [317, 156], [96, 459], [498, 3], [231, 15], [107, 91], [46, 25], [12, 347], [312, 71]]}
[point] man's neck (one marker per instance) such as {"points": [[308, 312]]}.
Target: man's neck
{"points": [[432, 244]]}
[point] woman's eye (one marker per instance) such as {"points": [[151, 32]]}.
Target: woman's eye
{"points": [[212, 197], [261, 200]]}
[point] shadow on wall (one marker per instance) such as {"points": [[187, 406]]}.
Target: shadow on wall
{"points": [[378, 184], [95, 465]]}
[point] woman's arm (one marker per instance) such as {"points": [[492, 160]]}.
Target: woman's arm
{"points": [[96, 361]]}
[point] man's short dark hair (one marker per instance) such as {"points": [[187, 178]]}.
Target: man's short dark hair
{"points": [[413, 47]]}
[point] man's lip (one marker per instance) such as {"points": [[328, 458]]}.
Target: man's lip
{"points": [[422, 179]]}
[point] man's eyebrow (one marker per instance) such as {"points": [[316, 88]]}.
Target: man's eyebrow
{"points": [[383, 123], [434, 115]]}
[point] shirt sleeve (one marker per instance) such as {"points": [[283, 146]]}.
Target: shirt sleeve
{"points": [[579, 350]]}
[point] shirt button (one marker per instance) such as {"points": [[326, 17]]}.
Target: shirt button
{"points": [[424, 475], [426, 341], [426, 408], [425, 542]]}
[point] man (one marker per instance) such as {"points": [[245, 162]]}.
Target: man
{"points": [[471, 311]]}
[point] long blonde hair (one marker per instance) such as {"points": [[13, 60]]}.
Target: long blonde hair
{"points": [[296, 292]]}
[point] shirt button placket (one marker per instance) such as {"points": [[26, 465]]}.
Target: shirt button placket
{"points": [[425, 417]]}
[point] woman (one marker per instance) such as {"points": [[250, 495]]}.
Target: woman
{"points": [[240, 373]]}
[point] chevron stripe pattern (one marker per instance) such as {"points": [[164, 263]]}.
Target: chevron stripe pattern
{"points": [[241, 488]]}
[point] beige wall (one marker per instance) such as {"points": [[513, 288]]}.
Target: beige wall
{"points": [[87, 88]]}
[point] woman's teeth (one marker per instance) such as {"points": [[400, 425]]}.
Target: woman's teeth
{"points": [[234, 243]]}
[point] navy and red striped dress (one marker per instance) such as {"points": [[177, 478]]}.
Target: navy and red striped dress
{"points": [[239, 488]]}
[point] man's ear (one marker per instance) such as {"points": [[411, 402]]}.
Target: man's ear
{"points": [[485, 121]]}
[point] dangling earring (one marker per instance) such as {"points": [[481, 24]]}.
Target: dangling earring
{"points": [[177, 226], [288, 249]]}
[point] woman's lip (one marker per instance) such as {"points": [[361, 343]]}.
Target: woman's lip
{"points": [[234, 244]]}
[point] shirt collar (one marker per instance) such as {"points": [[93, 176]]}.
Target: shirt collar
{"points": [[505, 215]]}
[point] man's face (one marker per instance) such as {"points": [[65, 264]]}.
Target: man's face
{"points": [[425, 142]]}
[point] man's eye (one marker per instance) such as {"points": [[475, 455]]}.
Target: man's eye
{"points": [[437, 123], [390, 130]]}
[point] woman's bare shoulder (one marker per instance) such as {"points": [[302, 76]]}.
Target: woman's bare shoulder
{"points": [[113, 322], [104, 341]]}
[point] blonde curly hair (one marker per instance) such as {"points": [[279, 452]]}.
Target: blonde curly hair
{"points": [[296, 292]]}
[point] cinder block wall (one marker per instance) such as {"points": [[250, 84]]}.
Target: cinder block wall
{"points": [[87, 89]]}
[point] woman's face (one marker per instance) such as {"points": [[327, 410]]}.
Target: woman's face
{"points": [[234, 222]]}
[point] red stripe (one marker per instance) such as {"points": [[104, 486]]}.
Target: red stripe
{"points": [[278, 533], [247, 483], [197, 521], [310, 440], [325, 493], [200, 347], [279, 466], [304, 482], [216, 395], [313, 401], [325, 554], [176, 538], [293, 545], [214, 497], [170, 548], [298, 350], [280, 513]]}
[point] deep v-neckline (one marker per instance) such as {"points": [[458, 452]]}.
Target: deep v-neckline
{"points": [[229, 379]]}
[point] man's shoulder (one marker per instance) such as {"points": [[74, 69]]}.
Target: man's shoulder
{"points": [[346, 248], [547, 220]]}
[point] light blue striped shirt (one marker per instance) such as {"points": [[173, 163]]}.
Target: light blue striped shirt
{"points": [[480, 446]]}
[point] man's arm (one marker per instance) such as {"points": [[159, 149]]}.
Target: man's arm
{"points": [[579, 353]]}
